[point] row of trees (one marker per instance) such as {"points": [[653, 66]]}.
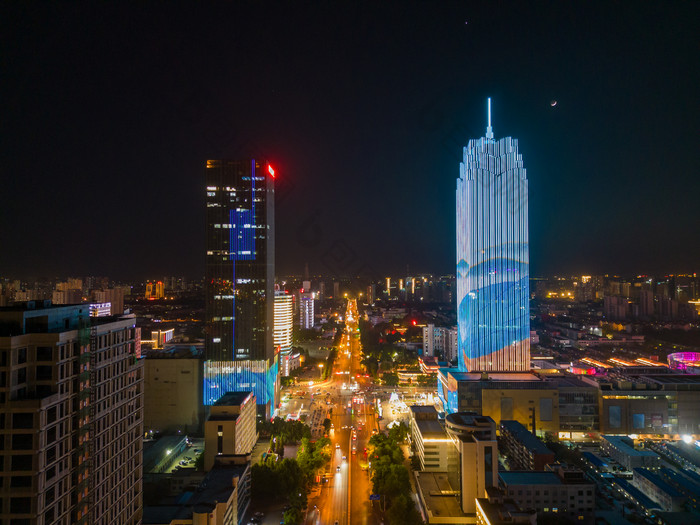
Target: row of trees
{"points": [[275, 476], [390, 477]]}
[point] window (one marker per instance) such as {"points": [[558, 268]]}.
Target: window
{"points": [[22, 462], [21, 356], [44, 353], [22, 441], [20, 506], [23, 420], [20, 481]]}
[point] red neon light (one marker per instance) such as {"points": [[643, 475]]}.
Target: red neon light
{"points": [[271, 171]]}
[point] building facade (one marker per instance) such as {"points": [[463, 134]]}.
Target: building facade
{"points": [[440, 341], [240, 267], [72, 416], [230, 429], [306, 310], [493, 256]]}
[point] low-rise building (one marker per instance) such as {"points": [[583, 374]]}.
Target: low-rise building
{"points": [[222, 498], [556, 491], [230, 428], [429, 438], [621, 449], [496, 509], [523, 449], [658, 490]]}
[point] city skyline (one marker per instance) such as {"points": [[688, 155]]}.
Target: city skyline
{"points": [[589, 107]]}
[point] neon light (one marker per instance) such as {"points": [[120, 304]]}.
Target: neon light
{"points": [[271, 171]]}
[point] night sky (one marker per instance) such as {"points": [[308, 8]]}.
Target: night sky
{"points": [[108, 114]]}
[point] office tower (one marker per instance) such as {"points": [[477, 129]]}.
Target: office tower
{"points": [[230, 428], [306, 310], [336, 290], [492, 256], [284, 322], [239, 279], [72, 416]]}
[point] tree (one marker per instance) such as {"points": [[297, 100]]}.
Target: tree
{"points": [[292, 516], [390, 379], [398, 433], [327, 424]]}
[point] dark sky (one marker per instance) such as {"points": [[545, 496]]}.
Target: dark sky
{"points": [[108, 115]]}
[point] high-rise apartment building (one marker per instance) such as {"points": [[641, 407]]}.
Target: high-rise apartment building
{"points": [[239, 278], [71, 422], [492, 256], [306, 310]]}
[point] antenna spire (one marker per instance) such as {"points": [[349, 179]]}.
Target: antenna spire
{"points": [[489, 129]]}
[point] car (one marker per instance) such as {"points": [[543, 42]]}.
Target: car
{"points": [[344, 458], [337, 445], [337, 469]]}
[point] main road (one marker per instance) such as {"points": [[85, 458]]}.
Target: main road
{"points": [[344, 498]]}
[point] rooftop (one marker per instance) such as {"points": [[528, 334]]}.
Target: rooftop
{"points": [[439, 496], [623, 444], [525, 437], [233, 398], [430, 428], [658, 482], [529, 477]]}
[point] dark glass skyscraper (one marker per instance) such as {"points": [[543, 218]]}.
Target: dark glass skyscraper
{"points": [[240, 272], [493, 288]]}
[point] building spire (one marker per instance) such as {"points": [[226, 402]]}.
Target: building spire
{"points": [[489, 129]]}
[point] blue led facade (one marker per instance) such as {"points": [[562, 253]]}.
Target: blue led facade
{"points": [[492, 257], [239, 351]]}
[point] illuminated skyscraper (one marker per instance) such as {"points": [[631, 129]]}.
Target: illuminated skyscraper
{"points": [[492, 256], [240, 269], [306, 310], [284, 321]]}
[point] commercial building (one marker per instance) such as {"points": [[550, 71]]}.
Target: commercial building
{"points": [[440, 342], [306, 310], [621, 449], [432, 446], [558, 404], [493, 290], [230, 428], [172, 391], [239, 278], [523, 449], [641, 403], [556, 491], [71, 391]]}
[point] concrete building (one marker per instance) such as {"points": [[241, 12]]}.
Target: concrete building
{"points": [[440, 342], [432, 446], [230, 428], [72, 416], [474, 437], [222, 498], [563, 405], [650, 403], [172, 392], [621, 449], [306, 310], [658, 490], [498, 509], [556, 491], [524, 450]]}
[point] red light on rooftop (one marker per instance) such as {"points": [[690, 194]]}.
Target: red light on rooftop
{"points": [[271, 171]]}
